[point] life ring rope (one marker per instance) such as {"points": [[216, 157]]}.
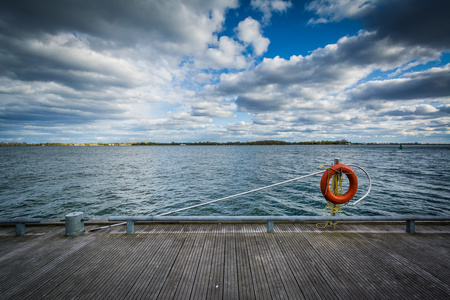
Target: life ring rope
{"points": [[334, 210]]}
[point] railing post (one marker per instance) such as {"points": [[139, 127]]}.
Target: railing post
{"points": [[410, 226], [20, 229], [130, 226], [269, 226]]}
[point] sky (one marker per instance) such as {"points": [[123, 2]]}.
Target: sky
{"points": [[224, 70]]}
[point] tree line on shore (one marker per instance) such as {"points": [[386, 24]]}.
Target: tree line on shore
{"points": [[207, 143]]}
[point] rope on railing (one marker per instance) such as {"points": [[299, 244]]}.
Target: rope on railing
{"points": [[248, 192], [224, 198], [240, 194]]}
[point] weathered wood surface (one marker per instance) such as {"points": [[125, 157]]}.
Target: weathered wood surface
{"points": [[227, 261]]}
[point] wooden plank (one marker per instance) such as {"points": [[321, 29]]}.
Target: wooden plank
{"points": [[256, 260], [120, 270], [151, 262], [99, 265], [417, 246], [54, 270], [303, 262], [166, 262], [113, 267], [127, 276], [396, 281], [387, 274], [296, 265], [216, 278], [185, 287], [12, 245], [245, 286], [231, 281], [406, 272], [285, 276], [346, 263], [201, 281], [325, 279], [102, 264], [273, 268], [179, 274]]}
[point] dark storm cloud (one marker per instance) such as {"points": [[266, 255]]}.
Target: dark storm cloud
{"points": [[434, 83], [50, 112], [408, 22], [78, 43], [80, 81], [326, 70], [61, 59], [44, 116], [123, 22], [83, 61], [413, 22]]}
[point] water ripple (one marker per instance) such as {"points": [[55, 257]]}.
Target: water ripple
{"points": [[50, 182]]}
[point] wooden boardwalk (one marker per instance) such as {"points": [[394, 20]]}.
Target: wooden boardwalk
{"points": [[227, 261]]}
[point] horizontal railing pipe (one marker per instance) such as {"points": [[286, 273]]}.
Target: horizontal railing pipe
{"points": [[20, 220], [410, 220], [20, 223], [273, 218]]}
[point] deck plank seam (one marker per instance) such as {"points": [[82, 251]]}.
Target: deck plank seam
{"points": [[97, 278], [176, 277], [414, 268], [169, 270], [44, 269], [162, 269], [122, 272], [283, 268], [392, 274]]}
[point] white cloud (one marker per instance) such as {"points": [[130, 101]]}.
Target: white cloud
{"points": [[269, 6], [337, 10], [227, 54], [249, 31], [167, 69], [308, 95], [213, 109], [325, 72]]}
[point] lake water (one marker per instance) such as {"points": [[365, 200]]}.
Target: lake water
{"points": [[49, 182]]}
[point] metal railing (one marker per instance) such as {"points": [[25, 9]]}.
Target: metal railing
{"points": [[20, 223], [410, 220]]}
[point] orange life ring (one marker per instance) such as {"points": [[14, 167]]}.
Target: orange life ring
{"points": [[353, 184]]}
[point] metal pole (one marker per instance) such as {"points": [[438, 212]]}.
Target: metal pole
{"points": [[334, 189], [269, 226]]}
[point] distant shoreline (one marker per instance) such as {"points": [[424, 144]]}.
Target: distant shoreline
{"points": [[265, 142]]}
